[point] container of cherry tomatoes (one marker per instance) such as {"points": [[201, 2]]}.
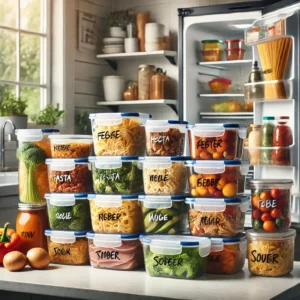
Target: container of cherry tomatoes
{"points": [[271, 204], [217, 179], [217, 141]]}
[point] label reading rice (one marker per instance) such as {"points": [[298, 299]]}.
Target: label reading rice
{"points": [[106, 135]]}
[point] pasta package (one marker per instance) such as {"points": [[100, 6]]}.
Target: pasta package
{"points": [[119, 134], [116, 214]]}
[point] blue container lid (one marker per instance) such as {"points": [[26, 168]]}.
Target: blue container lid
{"points": [[190, 200], [91, 235], [75, 160], [123, 197], [49, 232], [235, 162], [165, 158], [173, 198], [123, 158], [66, 195], [228, 240], [49, 130], [123, 114]]}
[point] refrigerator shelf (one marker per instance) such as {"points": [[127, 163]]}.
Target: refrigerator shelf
{"points": [[220, 95], [225, 65], [229, 116]]}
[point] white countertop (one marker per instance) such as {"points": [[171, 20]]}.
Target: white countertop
{"points": [[85, 282]]}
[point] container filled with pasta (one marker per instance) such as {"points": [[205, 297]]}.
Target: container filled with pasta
{"points": [[68, 212], [116, 214], [165, 137], [217, 179], [117, 175], [217, 217], [68, 247], [115, 251], [119, 134], [162, 214], [271, 254], [33, 149], [164, 175], [217, 141], [71, 146], [175, 256], [227, 255], [271, 204], [69, 175]]}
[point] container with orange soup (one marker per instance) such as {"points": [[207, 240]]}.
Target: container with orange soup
{"points": [[32, 221], [216, 141], [33, 149]]}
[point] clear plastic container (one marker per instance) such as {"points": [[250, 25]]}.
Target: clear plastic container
{"points": [[211, 44], [217, 217], [120, 134], [34, 146], [69, 175], [68, 212], [271, 254], [162, 214], [212, 55], [114, 251], [165, 137], [164, 175], [219, 85], [217, 141], [217, 179], [235, 54], [227, 255], [71, 146], [116, 214], [234, 43], [68, 247], [117, 175], [271, 204], [175, 256]]}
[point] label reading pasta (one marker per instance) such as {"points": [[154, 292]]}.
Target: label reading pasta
{"points": [[63, 216], [158, 217], [62, 147], [207, 182], [159, 178], [210, 221], [215, 258], [264, 258], [109, 177], [106, 135], [160, 139], [171, 262], [62, 178], [216, 143], [62, 251], [27, 234], [108, 255], [109, 217]]}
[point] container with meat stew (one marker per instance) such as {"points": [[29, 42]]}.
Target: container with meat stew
{"points": [[227, 255], [117, 175], [175, 256], [162, 214], [165, 137], [116, 214], [217, 179], [68, 247], [115, 251], [271, 204], [69, 175], [217, 141], [164, 175], [271, 254], [217, 217], [119, 134], [68, 212]]}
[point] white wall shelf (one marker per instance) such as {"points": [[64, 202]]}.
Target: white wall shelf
{"points": [[226, 64]]}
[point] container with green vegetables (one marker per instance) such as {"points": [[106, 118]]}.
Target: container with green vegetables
{"points": [[162, 214], [267, 140], [175, 256], [68, 212], [117, 175]]}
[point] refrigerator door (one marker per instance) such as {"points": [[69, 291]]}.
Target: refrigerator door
{"points": [[277, 7]]}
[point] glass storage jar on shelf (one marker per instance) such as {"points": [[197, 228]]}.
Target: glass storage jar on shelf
{"points": [[131, 92], [145, 73], [254, 141], [159, 85], [267, 140]]}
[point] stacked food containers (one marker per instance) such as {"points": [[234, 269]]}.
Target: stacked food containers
{"points": [[70, 179], [216, 179]]}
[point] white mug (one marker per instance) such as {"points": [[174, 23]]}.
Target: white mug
{"points": [[131, 45]]}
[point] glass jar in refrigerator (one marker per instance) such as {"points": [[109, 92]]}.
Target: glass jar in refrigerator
{"points": [[145, 73], [254, 91], [267, 140], [254, 141]]}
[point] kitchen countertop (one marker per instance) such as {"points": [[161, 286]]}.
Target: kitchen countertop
{"points": [[85, 282]]}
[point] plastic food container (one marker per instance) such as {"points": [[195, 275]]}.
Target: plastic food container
{"points": [[164, 175], [34, 146], [217, 179], [217, 141], [175, 256], [119, 134], [227, 255], [71, 146], [162, 214], [234, 43], [68, 175], [271, 210], [271, 254], [117, 175], [68, 212], [114, 251], [235, 54], [212, 55], [165, 137], [217, 217], [219, 85], [116, 214], [211, 44], [68, 247]]}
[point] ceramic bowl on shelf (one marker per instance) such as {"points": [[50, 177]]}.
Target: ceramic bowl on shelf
{"points": [[117, 32]]}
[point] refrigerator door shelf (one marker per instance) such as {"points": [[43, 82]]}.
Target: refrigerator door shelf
{"points": [[226, 64]]}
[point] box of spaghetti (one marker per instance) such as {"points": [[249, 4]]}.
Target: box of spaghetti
{"points": [[116, 214], [271, 254]]}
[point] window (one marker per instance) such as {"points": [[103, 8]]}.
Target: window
{"points": [[24, 51]]}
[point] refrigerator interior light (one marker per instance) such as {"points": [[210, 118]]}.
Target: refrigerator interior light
{"points": [[240, 26]]}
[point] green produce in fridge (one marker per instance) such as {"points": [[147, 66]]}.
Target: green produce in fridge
{"points": [[279, 222], [257, 224]]}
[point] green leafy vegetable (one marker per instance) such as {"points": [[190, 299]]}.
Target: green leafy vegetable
{"points": [[10, 105], [49, 116]]}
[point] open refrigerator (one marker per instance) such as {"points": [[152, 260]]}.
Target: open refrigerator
{"points": [[238, 21]]}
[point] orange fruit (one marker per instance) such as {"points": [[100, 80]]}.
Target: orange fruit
{"points": [[193, 180], [221, 183], [194, 193], [255, 201], [229, 190], [202, 191]]}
